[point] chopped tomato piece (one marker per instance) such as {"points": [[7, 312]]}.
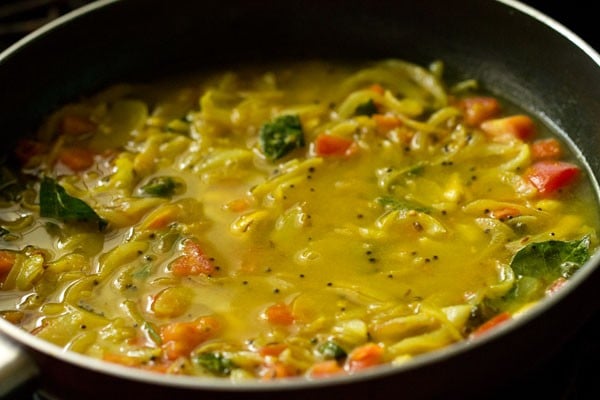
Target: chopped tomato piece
{"points": [[273, 349], [478, 109], [180, 338], [492, 323], [330, 145], [7, 260], [76, 158], [546, 149], [27, 149], [238, 205], [325, 368], [76, 125], [551, 176], [514, 127], [277, 370], [377, 88], [193, 261], [162, 217], [386, 122], [279, 314], [503, 214], [365, 356]]}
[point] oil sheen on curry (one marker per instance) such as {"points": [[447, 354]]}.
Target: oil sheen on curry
{"points": [[302, 219]]}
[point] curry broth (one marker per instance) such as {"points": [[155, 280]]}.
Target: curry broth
{"points": [[389, 227]]}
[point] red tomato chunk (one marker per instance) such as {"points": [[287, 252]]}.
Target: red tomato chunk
{"points": [[551, 176]]}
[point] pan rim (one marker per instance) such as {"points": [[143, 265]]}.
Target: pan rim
{"points": [[86, 362]]}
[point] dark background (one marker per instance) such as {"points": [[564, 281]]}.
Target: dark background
{"points": [[576, 15], [569, 374]]}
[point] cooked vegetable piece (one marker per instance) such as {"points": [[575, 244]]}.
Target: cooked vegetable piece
{"points": [[279, 314], [171, 302], [514, 127], [392, 203], [28, 150], [538, 266], [331, 350], [272, 349], [7, 260], [277, 370], [193, 261], [546, 149], [75, 125], [280, 136], [216, 363], [326, 368], [505, 213], [552, 259], [160, 186], [180, 338], [330, 145], [551, 176], [55, 202], [367, 108], [76, 158], [365, 356], [477, 109], [377, 88], [386, 122]]}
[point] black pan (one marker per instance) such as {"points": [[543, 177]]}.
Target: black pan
{"points": [[514, 50]]}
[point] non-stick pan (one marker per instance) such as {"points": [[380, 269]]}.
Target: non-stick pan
{"points": [[515, 51]]}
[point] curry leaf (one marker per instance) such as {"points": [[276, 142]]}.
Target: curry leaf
{"points": [[392, 203], [367, 108], [537, 266], [216, 363], [331, 350], [152, 332], [160, 186], [143, 272], [551, 259], [280, 136], [55, 202]]}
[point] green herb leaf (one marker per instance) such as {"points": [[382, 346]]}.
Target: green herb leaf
{"points": [[537, 266], [332, 350], [143, 272], [367, 108], [552, 259], [152, 332], [160, 186], [392, 203], [415, 170], [216, 363], [55, 202], [280, 136]]}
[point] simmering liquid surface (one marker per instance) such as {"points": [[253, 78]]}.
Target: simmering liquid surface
{"points": [[303, 219]]}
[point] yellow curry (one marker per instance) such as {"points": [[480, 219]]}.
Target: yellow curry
{"points": [[301, 219]]}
